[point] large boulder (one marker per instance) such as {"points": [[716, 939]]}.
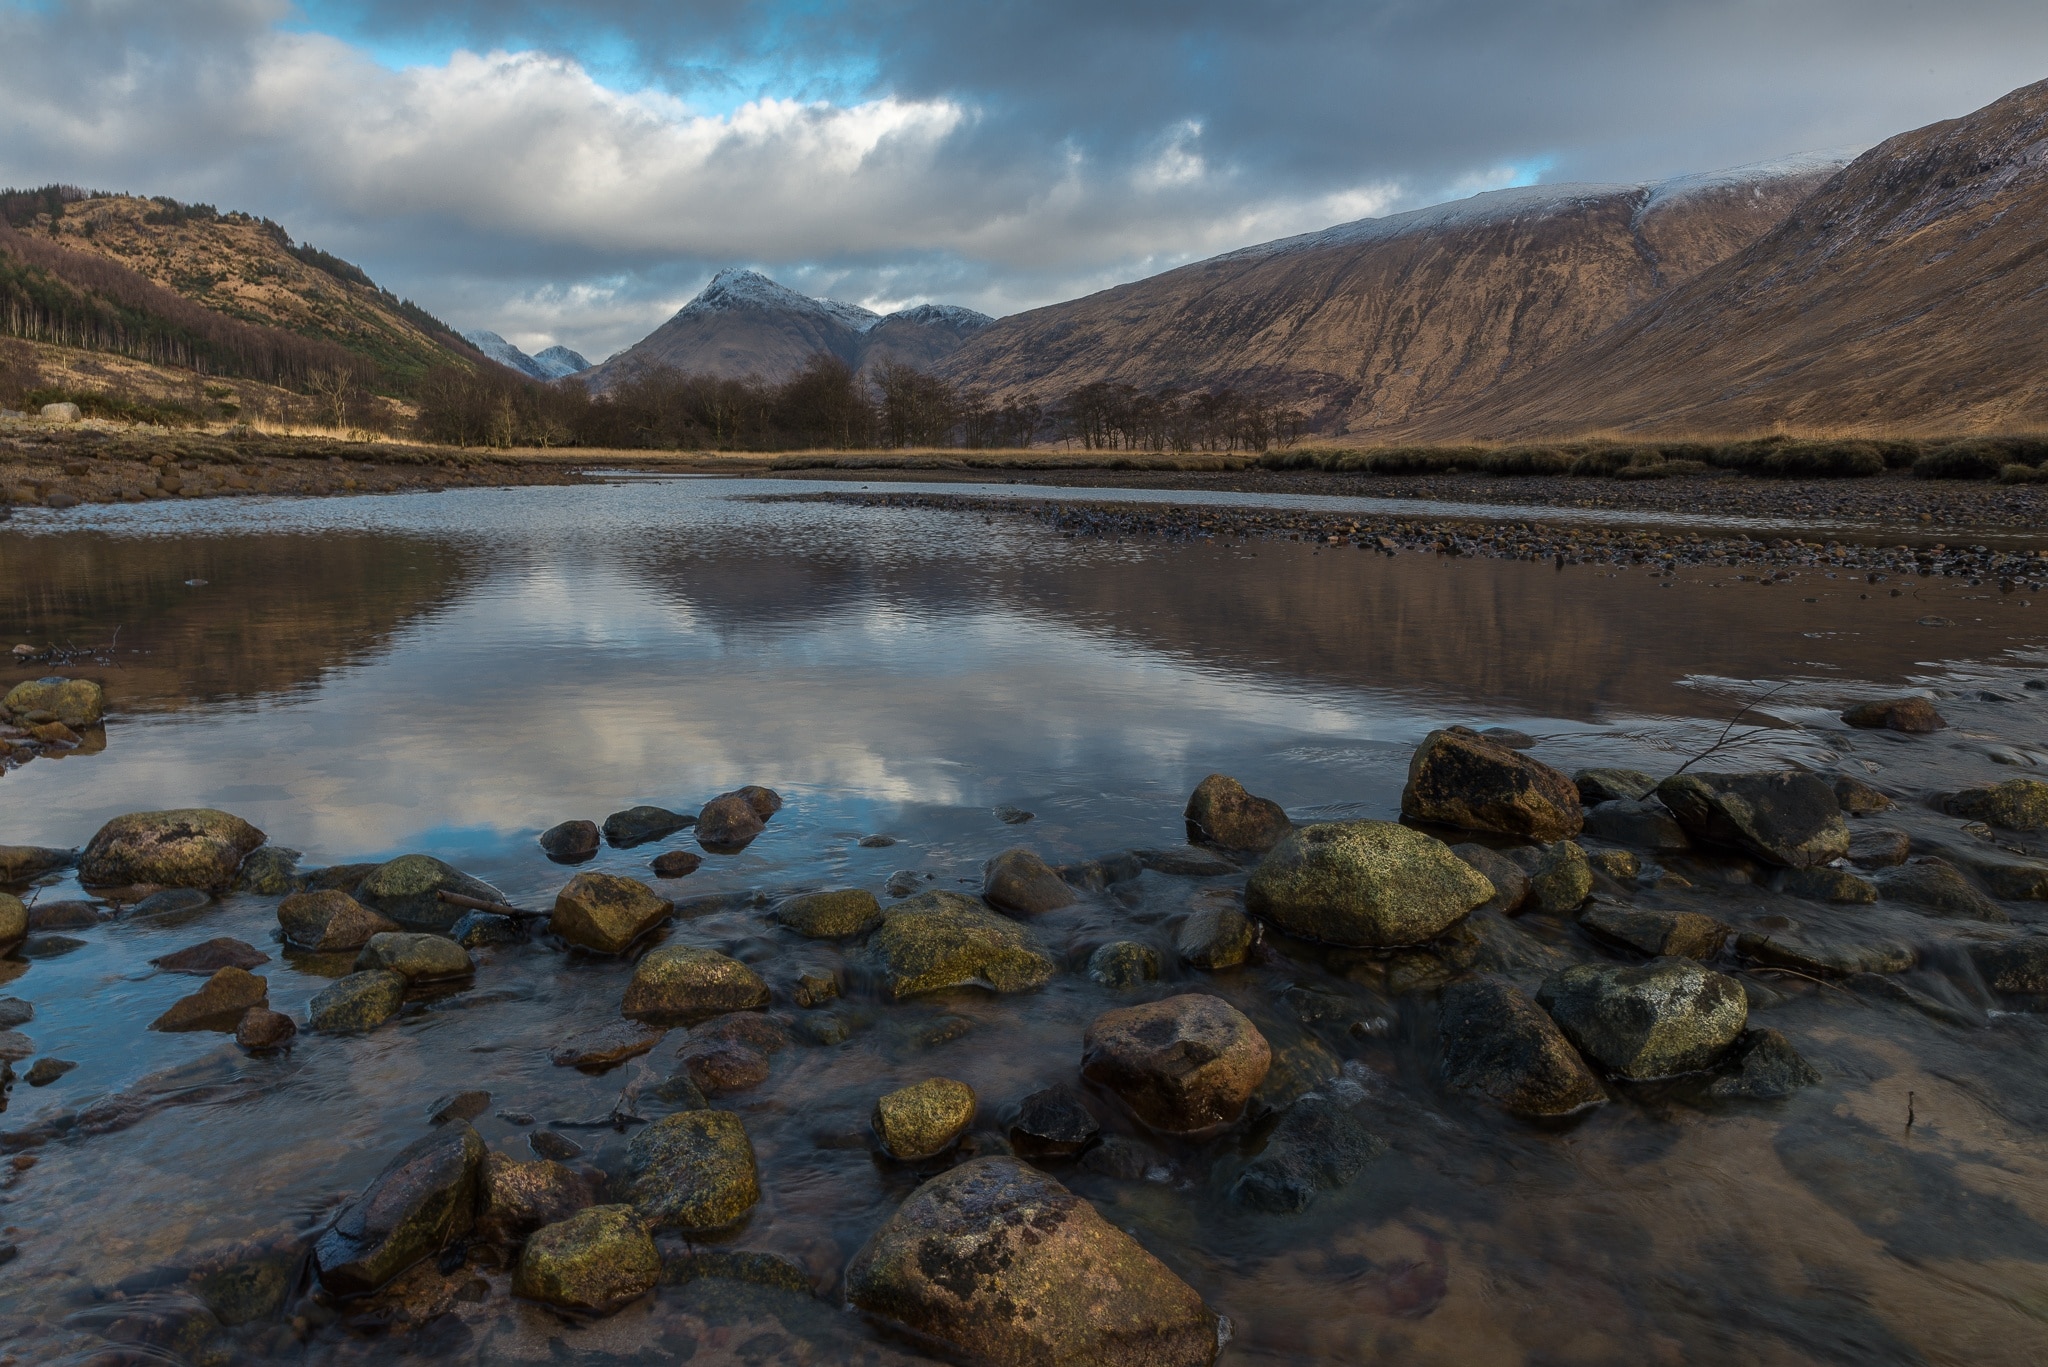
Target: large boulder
{"points": [[998, 1263], [1640, 825], [596, 1261], [925, 1119], [1318, 1145], [1914, 715], [1496, 1042], [1364, 884], [1612, 785], [693, 1171], [1017, 880], [1184, 1065], [13, 919], [1653, 1020], [2018, 804], [359, 1002], [424, 1198], [330, 921], [639, 825], [1789, 819], [218, 1005], [606, 913], [729, 822], [415, 957], [73, 702], [1460, 778], [940, 940], [683, 983], [22, 863], [836, 915], [194, 847], [1221, 812], [408, 890]]}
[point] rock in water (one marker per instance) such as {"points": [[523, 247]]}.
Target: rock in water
{"points": [[1221, 812], [1934, 886], [1612, 785], [719, 1067], [1879, 847], [519, 1198], [607, 1046], [1646, 825], [73, 702], [478, 929], [1364, 884], [639, 825], [1318, 1145], [271, 871], [685, 983], [1496, 1042], [1123, 963], [923, 1121], [408, 889], [1805, 952], [1215, 937], [329, 922], [571, 842], [1001, 1264], [1185, 1065], [730, 821], [2017, 966], [1018, 881], [361, 1001], [1560, 879], [219, 1005], [2018, 804], [1053, 1124], [415, 958], [677, 864], [693, 1171], [209, 956], [22, 863], [189, 848], [1510, 883], [1676, 934], [1659, 1019], [261, 1030], [830, 915], [605, 913], [13, 919], [426, 1197], [1826, 883], [594, 1262], [1789, 819], [1914, 715], [1859, 798], [1459, 778], [1763, 1066], [940, 940]]}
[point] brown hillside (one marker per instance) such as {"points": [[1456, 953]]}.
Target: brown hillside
{"points": [[1910, 293], [1370, 324]]}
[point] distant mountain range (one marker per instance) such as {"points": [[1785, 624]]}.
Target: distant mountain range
{"points": [[556, 363]]}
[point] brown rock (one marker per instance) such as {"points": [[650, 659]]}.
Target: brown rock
{"points": [[262, 1029], [1018, 881], [219, 1005], [684, 982], [606, 1047], [677, 864], [1914, 715], [1221, 812], [606, 913], [730, 821], [720, 1066], [209, 956], [1459, 778], [1185, 1065], [330, 921], [521, 1197]]}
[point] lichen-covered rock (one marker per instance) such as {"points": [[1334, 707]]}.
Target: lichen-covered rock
{"points": [[1184, 1065], [605, 913], [1763, 1066], [1318, 1145], [1053, 1124], [594, 1262], [2018, 804], [1017, 880], [1620, 865], [1496, 1042], [195, 847], [1789, 819], [923, 1120], [570, 841], [1914, 715], [1934, 886], [940, 940], [424, 1198], [408, 890], [1612, 785], [836, 915], [639, 825], [1460, 778], [1859, 798], [1364, 884], [22, 863], [999, 1263], [519, 1198], [2017, 966], [415, 957], [1826, 883], [607, 1046], [1510, 883], [1123, 963], [1221, 812], [329, 922], [682, 983], [1560, 879], [271, 871], [1652, 1020], [693, 1171], [73, 702], [13, 919], [1641, 825], [359, 1002], [1813, 952], [1215, 936], [1673, 934], [218, 1005]]}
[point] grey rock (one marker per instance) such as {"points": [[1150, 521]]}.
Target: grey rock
{"points": [[1318, 1145], [1053, 1124], [478, 929], [1510, 882], [1789, 819], [1560, 879], [1638, 824], [1187, 862], [2016, 966], [1613, 785], [1498, 1044], [407, 889], [1814, 952], [1934, 886], [424, 1198], [1878, 847], [1654, 1020], [1018, 881], [1762, 1066], [1829, 884], [1123, 963], [1215, 937], [640, 825]]}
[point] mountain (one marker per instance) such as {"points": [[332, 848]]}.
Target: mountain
{"points": [[557, 362], [745, 324], [1370, 324], [1909, 292]]}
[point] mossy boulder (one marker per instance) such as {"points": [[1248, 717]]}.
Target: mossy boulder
{"points": [[74, 702], [1215, 936], [1560, 879], [13, 919], [1019, 881], [218, 1005], [415, 957], [693, 1171], [21, 863], [999, 1263], [1123, 963], [594, 1262], [408, 890], [359, 1002], [606, 913], [923, 1120], [330, 921], [1364, 884], [194, 847], [1653, 1020], [1221, 812], [941, 940], [2018, 804], [683, 983], [836, 915], [1460, 778], [425, 1198], [271, 871], [1498, 1044], [1184, 1065], [1790, 819]]}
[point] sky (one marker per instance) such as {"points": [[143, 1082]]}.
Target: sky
{"points": [[574, 173]]}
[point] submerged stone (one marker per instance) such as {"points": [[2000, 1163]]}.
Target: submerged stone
{"points": [[940, 940], [1123, 963], [1318, 1145], [693, 1171], [219, 1005], [1184, 1065], [1763, 1066], [1934, 886], [1215, 937], [209, 956], [424, 1198], [1812, 952], [1053, 1124]]}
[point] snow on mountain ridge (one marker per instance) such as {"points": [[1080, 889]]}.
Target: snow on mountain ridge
{"points": [[560, 362], [736, 288], [552, 364]]}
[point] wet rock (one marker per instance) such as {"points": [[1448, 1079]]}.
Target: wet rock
{"points": [[209, 956], [677, 864], [14, 1011], [815, 989], [424, 1198], [1560, 879], [408, 890], [415, 958], [1123, 963], [903, 882], [271, 871], [1621, 865], [1098, 875], [1914, 715], [923, 1121], [640, 825], [607, 1046], [519, 1198], [1459, 778], [1318, 1145], [1510, 883], [1673, 934], [1509, 737], [1933, 886], [67, 916], [1789, 819], [2018, 804], [1018, 881], [1612, 785], [720, 1067], [479, 929], [1215, 937], [756, 1031], [940, 940], [693, 1171], [605, 913], [466, 1105], [170, 902], [595, 1262], [1653, 1020], [2015, 966], [23, 863], [336, 878], [1184, 1065], [682, 983], [2006, 875], [1641, 825], [1186, 862], [187, 848], [46, 1070], [1364, 884], [830, 915], [1876, 847], [876, 842], [1859, 798], [570, 842], [359, 1002], [553, 1148], [997, 1262], [14, 1047], [13, 919], [47, 947], [1012, 816], [1763, 1066], [1222, 813], [1829, 884], [261, 1030], [73, 702], [1496, 1042], [1811, 952], [218, 1005], [1053, 1124], [730, 821]]}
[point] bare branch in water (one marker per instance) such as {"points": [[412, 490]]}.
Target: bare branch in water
{"points": [[1722, 742]]}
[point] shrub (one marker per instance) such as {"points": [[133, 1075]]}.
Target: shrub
{"points": [[1970, 459]]}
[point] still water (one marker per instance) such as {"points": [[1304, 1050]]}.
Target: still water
{"points": [[453, 673]]}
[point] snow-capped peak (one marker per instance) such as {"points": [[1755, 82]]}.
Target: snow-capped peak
{"points": [[560, 362], [736, 288], [949, 315], [552, 364]]}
